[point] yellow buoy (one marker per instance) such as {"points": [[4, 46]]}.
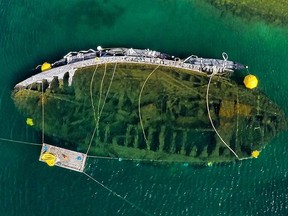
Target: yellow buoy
{"points": [[45, 66], [255, 154], [49, 158], [250, 81], [29, 121]]}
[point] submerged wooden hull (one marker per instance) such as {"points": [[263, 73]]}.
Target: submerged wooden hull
{"points": [[150, 112]]}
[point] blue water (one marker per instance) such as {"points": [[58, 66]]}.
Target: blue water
{"points": [[36, 31]]}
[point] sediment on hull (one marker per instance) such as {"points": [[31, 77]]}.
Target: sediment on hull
{"points": [[150, 112]]}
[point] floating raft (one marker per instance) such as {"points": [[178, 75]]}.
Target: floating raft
{"points": [[65, 158]]}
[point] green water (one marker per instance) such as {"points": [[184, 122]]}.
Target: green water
{"points": [[36, 31]]}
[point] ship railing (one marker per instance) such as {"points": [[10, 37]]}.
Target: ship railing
{"points": [[148, 60], [72, 67]]}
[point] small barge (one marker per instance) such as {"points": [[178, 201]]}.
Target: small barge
{"points": [[62, 157]]}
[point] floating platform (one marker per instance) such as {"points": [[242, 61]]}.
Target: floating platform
{"points": [[65, 158]]}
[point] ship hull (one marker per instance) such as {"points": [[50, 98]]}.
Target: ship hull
{"points": [[148, 111]]}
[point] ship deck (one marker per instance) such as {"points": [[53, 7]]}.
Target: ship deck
{"points": [[71, 68]]}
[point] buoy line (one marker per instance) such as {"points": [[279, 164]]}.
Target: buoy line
{"points": [[43, 110], [99, 102], [209, 116], [117, 195], [21, 142], [137, 160], [99, 111], [125, 159], [91, 95], [94, 111], [108, 90], [139, 105]]}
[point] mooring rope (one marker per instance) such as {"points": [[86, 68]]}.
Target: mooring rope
{"points": [[21, 142], [134, 160], [139, 105], [108, 90], [237, 119], [99, 111], [91, 93], [94, 111], [119, 196], [43, 109], [211, 121], [100, 91], [124, 159], [99, 102]]}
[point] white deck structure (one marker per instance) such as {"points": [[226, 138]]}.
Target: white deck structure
{"points": [[71, 68]]}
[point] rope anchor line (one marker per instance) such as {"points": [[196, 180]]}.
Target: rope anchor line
{"points": [[99, 107], [20, 142], [139, 105], [117, 195], [94, 110], [208, 110]]}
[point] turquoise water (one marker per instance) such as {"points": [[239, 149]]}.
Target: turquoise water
{"points": [[36, 31]]}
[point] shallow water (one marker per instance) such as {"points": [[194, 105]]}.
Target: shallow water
{"points": [[36, 31]]}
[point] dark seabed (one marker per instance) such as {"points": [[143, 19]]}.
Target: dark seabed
{"points": [[36, 31]]}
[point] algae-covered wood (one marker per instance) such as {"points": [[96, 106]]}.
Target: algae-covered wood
{"points": [[274, 12], [166, 119]]}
